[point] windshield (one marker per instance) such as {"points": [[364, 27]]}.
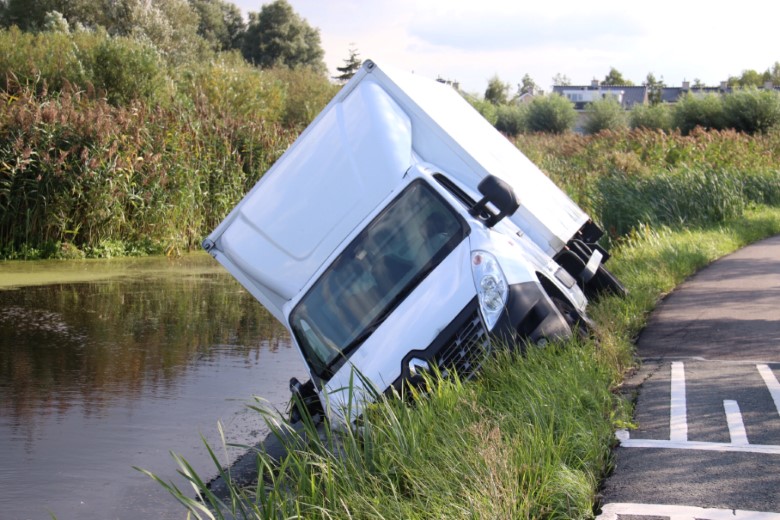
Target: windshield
{"points": [[384, 263]]}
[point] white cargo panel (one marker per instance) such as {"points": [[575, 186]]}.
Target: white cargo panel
{"points": [[451, 134], [337, 172]]}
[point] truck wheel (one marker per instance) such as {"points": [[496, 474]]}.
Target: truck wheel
{"points": [[579, 326], [604, 281]]}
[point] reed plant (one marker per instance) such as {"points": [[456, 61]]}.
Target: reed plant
{"points": [[75, 169], [107, 149], [626, 179], [511, 444], [150, 157]]}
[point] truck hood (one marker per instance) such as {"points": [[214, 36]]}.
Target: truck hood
{"points": [[282, 232]]}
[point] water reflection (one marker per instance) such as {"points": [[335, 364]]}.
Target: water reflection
{"points": [[153, 342]]}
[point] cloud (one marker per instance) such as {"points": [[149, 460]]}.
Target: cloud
{"points": [[479, 32]]}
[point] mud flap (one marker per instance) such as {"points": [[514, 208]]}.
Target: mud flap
{"points": [[585, 262]]}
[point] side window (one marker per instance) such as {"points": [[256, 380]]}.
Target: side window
{"points": [[453, 188]]}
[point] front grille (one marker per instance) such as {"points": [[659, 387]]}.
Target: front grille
{"points": [[467, 350]]}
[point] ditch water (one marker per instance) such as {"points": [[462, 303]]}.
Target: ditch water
{"points": [[110, 364]]}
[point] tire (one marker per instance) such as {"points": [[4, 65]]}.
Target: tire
{"points": [[606, 282], [578, 325]]}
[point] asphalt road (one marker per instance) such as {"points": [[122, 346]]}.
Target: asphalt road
{"points": [[707, 445]]}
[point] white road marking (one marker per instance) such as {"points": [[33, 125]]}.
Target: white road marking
{"points": [[627, 442], [678, 439], [736, 425], [678, 421], [771, 383], [611, 512], [678, 418]]}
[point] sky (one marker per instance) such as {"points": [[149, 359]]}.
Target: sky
{"points": [[472, 41]]}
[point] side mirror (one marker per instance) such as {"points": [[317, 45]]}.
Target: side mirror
{"points": [[500, 195]]}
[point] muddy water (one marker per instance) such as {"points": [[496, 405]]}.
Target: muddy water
{"points": [[112, 364]]}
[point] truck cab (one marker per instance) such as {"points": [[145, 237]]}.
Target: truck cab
{"points": [[402, 234]]}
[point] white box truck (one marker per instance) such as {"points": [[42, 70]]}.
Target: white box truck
{"points": [[401, 233]]}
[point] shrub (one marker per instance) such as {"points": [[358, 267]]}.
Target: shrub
{"points": [[44, 61], [510, 119], [551, 114], [231, 87], [604, 114], [123, 69], [306, 92], [651, 117], [704, 111], [752, 110], [488, 110], [128, 69]]}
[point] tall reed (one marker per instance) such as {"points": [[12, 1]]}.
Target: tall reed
{"points": [[75, 169], [630, 178]]}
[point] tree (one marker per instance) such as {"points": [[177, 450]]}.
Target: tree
{"points": [[497, 91], [351, 65], [528, 86], [55, 22], [87, 13], [234, 22], [748, 78], [171, 25], [552, 114], [774, 73], [26, 14], [220, 23], [29, 15], [654, 88], [278, 36], [751, 110], [561, 80], [615, 78], [604, 114]]}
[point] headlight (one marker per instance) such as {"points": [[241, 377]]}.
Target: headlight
{"points": [[491, 286]]}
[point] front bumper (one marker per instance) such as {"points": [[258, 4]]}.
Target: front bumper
{"points": [[530, 317], [464, 345]]}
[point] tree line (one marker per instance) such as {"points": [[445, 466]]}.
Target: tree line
{"points": [[182, 29], [746, 108]]}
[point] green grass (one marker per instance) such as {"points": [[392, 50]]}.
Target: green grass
{"points": [[652, 262], [530, 438]]}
